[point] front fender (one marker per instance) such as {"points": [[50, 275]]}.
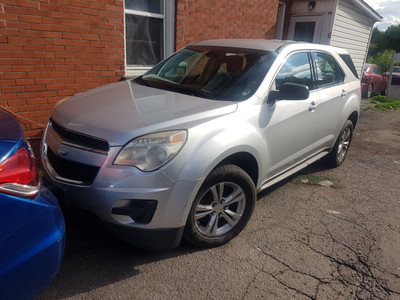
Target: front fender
{"points": [[208, 145]]}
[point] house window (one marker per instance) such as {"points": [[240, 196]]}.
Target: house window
{"points": [[149, 33]]}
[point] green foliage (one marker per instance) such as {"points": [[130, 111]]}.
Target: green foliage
{"points": [[382, 44], [383, 103], [390, 105], [391, 38], [382, 59], [376, 42]]}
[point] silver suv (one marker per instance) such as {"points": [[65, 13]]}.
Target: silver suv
{"points": [[183, 150]]}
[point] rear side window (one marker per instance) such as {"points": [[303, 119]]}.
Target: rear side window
{"points": [[296, 69], [327, 70], [376, 70], [349, 62]]}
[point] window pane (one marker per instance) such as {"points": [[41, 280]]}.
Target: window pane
{"points": [[296, 70], [349, 62], [144, 40], [152, 6], [304, 31], [328, 71]]}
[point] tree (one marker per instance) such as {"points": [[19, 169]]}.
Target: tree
{"points": [[382, 45], [382, 59], [391, 38], [376, 44]]}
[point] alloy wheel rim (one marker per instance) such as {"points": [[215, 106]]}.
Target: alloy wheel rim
{"points": [[344, 144], [220, 209]]}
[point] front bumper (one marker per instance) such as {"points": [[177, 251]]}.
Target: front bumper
{"points": [[130, 202]]}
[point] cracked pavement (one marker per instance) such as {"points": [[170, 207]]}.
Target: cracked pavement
{"points": [[303, 241]]}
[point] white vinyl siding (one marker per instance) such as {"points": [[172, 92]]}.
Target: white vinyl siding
{"points": [[351, 30]]}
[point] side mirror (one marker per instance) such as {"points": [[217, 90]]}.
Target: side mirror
{"points": [[289, 91]]}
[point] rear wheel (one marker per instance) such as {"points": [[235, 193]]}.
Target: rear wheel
{"points": [[339, 151], [222, 207]]}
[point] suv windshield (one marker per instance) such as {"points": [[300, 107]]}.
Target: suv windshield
{"points": [[212, 72]]}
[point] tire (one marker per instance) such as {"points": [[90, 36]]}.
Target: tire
{"points": [[222, 208], [339, 151]]}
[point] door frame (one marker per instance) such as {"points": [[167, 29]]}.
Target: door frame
{"points": [[318, 19]]}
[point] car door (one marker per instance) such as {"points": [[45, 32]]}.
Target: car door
{"points": [[332, 90], [292, 126]]}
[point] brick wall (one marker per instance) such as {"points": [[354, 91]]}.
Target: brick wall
{"points": [[50, 49], [204, 19]]}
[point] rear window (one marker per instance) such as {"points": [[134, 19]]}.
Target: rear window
{"points": [[349, 62]]}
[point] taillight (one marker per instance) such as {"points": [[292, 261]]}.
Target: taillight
{"points": [[19, 175]]}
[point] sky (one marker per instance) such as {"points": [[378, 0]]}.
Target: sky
{"points": [[388, 9]]}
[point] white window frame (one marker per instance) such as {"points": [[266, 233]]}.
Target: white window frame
{"points": [[168, 34], [280, 20]]}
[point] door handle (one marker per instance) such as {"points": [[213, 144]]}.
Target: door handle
{"points": [[313, 106], [344, 93]]}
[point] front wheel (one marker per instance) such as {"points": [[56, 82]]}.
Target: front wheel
{"points": [[222, 207], [339, 151]]}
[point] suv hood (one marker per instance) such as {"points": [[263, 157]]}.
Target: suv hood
{"points": [[124, 110]]}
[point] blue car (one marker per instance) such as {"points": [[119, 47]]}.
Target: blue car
{"points": [[32, 229]]}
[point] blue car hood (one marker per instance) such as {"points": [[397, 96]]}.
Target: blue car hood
{"points": [[121, 111], [10, 134]]}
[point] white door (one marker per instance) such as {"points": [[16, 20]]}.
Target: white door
{"points": [[306, 28]]}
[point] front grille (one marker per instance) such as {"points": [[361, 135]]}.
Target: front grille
{"points": [[80, 139], [84, 174]]}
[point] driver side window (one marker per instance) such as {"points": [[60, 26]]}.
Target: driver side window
{"points": [[296, 69]]}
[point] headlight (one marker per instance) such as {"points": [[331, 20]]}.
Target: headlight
{"points": [[152, 151]]}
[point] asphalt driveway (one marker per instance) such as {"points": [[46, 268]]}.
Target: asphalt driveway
{"points": [[303, 242]]}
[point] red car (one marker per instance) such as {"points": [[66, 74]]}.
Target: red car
{"points": [[373, 81]]}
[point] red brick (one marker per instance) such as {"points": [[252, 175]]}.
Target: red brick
{"points": [[16, 103], [12, 89], [45, 81], [24, 82], [33, 88], [79, 3], [27, 3], [37, 101], [26, 95], [15, 75], [55, 87], [22, 68], [30, 19], [47, 94], [8, 82]]}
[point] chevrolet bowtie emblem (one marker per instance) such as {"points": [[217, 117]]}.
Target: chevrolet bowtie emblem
{"points": [[62, 151]]}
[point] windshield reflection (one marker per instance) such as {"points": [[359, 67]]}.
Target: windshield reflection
{"points": [[211, 72]]}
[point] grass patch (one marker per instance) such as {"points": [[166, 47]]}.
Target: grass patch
{"points": [[383, 103], [318, 180]]}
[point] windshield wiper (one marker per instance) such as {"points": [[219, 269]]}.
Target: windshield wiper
{"points": [[141, 81], [178, 89]]}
